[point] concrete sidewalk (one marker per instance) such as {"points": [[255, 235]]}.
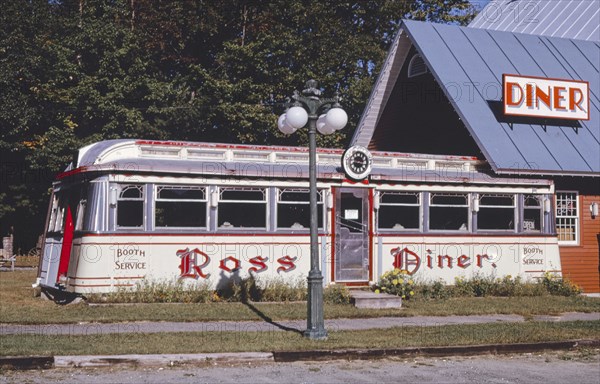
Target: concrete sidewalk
{"points": [[266, 326], [166, 360]]}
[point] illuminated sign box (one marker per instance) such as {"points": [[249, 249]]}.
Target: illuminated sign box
{"points": [[548, 98]]}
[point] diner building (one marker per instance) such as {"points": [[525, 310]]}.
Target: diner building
{"points": [[519, 90]]}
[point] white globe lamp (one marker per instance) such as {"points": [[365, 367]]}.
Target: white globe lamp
{"points": [[322, 126], [297, 117], [336, 118], [283, 125]]}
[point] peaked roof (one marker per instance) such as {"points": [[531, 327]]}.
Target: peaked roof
{"points": [[573, 19], [475, 60]]}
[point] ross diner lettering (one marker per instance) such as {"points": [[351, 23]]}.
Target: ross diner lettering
{"points": [[193, 263], [411, 262]]}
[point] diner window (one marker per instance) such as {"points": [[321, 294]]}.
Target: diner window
{"points": [[567, 217], [81, 214], [399, 211], [293, 208], [130, 206], [180, 207], [242, 208], [532, 213], [449, 212], [56, 221], [496, 212]]}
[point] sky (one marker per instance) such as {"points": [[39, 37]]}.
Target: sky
{"points": [[480, 3]]}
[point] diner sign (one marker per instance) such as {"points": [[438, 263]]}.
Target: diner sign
{"points": [[548, 98]]}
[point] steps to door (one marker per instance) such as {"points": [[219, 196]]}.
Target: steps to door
{"points": [[372, 300]]}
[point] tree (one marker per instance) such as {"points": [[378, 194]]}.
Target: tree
{"points": [[73, 72]]}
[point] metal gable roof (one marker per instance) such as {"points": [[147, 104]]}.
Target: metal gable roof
{"points": [[468, 63], [573, 19]]}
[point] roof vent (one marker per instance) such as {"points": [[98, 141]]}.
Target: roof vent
{"points": [[416, 66]]}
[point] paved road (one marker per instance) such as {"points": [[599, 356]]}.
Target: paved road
{"points": [[255, 326], [555, 367]]}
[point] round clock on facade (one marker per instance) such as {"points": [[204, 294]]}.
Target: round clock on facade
{"points": [[357, 162]]}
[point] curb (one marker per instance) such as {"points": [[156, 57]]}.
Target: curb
{"points": [[166, 360], [171, 360], [26, 362], [467, 350]]}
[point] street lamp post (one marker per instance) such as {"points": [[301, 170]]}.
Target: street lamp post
{"points": [[306, 109]]}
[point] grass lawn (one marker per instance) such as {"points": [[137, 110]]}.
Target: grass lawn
{"points": [[17, 305], [207, 342]]}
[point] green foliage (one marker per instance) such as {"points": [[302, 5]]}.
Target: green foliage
{"points": [[434, 290], [396, 282], [245, 290], [73, 72], [556, 285], [157, 292], [336, 294], [276, 289]]}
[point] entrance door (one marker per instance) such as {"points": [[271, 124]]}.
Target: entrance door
{"points": [[351, 259]]}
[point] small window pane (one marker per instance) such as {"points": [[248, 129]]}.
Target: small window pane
{"points": [[293, 209], [243, 194], [398, 217], [242, 208], [180, 206], [130, 206], [399, 198], [449, 212], [496, 212], [399, 211], [567, 217], [532, 213]]}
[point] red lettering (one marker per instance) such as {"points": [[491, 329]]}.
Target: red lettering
{"points": [[558, 97], [542, 96], [480, 258], [189, 263], [575, 101], [510, 94], [406, 260], [463, 261], [529, 95], [287, 264], [259, 264], [397, 253], [441, 261], [236, 264]]}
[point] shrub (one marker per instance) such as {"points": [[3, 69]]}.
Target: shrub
{"points": [[556, 285], [280, 289], [251, 289], [396, 282], [157, 292], [336, 294], [434, 290]]}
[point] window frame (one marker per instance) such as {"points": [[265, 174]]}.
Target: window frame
{"points": [[265, 191], [514, 207], [157, 199], [419, 204], [576, 218], [121, 187], [320, 205], [524, 209], [466, 206]]}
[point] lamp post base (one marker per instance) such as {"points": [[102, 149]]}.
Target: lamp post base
{"points": [[315, 323]]}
